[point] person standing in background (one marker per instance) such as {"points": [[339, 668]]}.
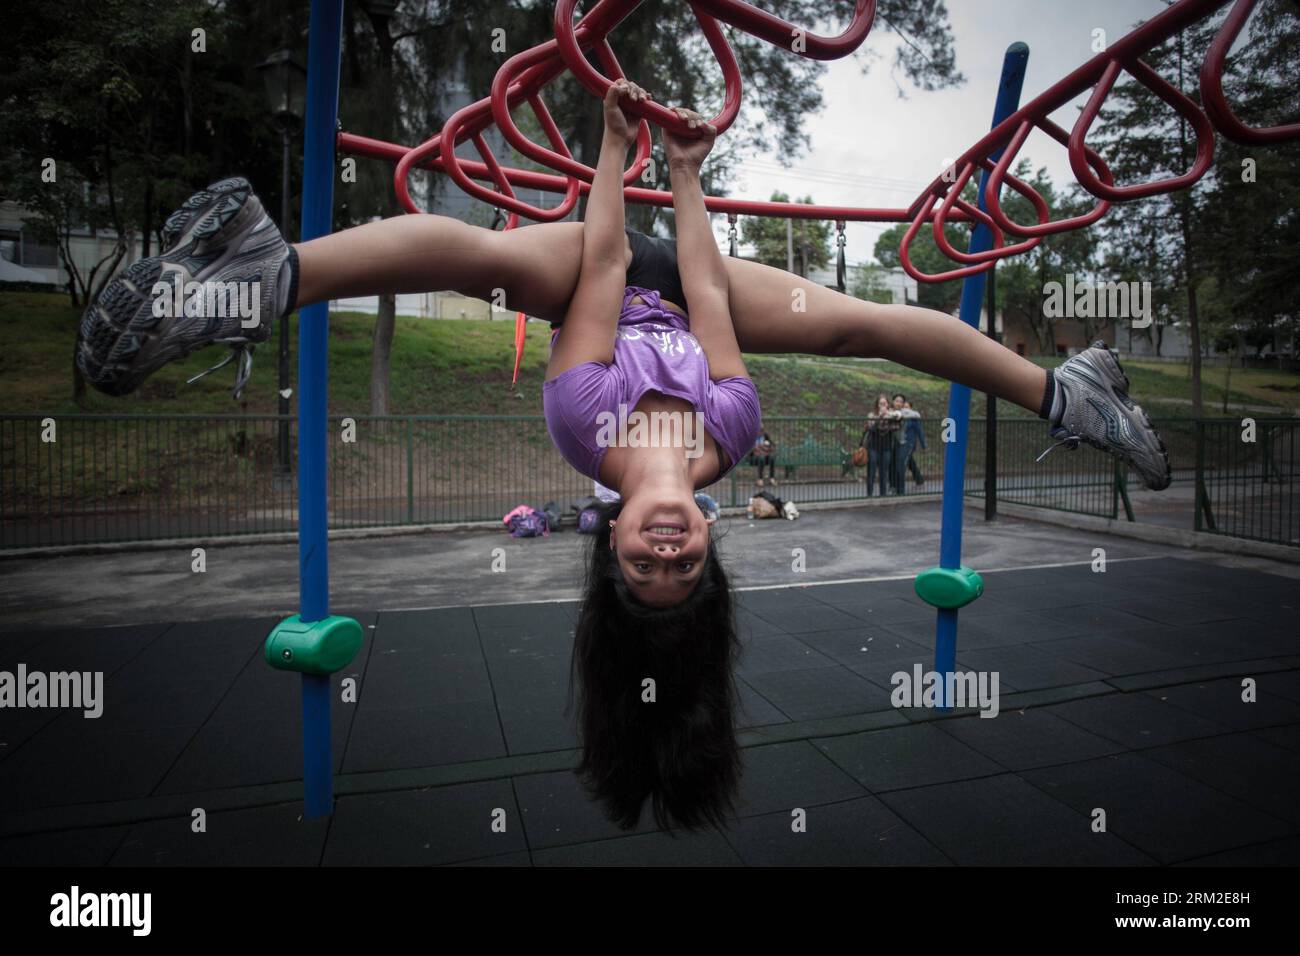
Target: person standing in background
{"points": [[763, 457], [910, 435], [882, 425]]}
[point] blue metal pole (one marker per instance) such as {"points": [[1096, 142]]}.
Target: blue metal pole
{"points": [[323, 50], [954, 452]]}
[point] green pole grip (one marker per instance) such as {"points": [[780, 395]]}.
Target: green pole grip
{"points": [[317, 647], [949, 588]]}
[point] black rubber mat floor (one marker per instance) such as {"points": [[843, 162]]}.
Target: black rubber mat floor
{"points": [[1121, 693]]}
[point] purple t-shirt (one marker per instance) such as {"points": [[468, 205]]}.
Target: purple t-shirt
{"points": [[653, 351]]}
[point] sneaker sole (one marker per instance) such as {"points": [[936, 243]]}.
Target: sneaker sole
{"points": [[120, 337], [206, 212]]}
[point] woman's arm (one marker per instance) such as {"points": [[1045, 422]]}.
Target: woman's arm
{"points": [[589, 326], [704, 276]]}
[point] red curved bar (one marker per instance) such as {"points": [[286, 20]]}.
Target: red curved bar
{"points": [[1175, 98], [412, 157], [550, 182], [1041, 209], [999, 250], [1016, 127], [1045, 226], [500, 102], [1216, 103], [524, 75], [905, 256], [515, 75], [780, 33], [570, 52], [504, 199]]}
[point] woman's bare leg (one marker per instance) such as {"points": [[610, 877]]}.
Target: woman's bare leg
{"points": [[537, 267], [763, 301]]}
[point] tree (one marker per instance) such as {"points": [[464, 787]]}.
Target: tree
{"points": [[806, 240], [375, 89], [1250, 207], [1238, 224], [398, 62], [1023, 280], [1161, 239], [132, 125], [869, 284], [925, 255], [138, 114], [1222, 333], [82, 149]]}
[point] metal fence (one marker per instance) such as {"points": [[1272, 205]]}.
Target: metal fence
{"points": [[1080, 481], [1246, 478], [75, 479]]}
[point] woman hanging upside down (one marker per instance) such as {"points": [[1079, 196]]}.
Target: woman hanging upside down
{"points": [[657, 602]]}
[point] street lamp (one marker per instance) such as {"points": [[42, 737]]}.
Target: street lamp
{"points": [[286, 92]]}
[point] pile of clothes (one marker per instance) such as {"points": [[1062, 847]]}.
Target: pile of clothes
{"points": [[767, 505], [527, 522], [524, 521]]}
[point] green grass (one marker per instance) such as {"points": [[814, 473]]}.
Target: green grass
{"points": [[464, 367], [438, 367]]}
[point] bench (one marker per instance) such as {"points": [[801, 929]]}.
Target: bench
{"points": [[809, 454]]}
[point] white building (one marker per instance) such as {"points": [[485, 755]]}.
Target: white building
{"points": [[901, 286], [40, 262]]}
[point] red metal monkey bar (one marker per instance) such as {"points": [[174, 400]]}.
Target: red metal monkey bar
{"points": [[522, 78]]}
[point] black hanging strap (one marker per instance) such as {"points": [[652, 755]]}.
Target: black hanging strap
{"points": [[840, 267]]}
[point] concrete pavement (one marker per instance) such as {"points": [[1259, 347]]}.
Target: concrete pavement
{"points": [[442, 569]]}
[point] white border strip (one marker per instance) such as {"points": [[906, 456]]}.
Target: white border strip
{"points": [[810, 584]]}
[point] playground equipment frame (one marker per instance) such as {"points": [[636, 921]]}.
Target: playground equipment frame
{"points": [[522, 78]]}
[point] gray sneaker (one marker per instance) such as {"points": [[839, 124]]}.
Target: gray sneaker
{"points": [[1092, 405], [224, 241]]}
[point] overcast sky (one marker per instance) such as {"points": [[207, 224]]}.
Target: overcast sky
{"points": [[871, 148]]}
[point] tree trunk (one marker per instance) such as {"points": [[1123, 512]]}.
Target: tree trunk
{"points": [[385, 321], [1045, 326], [78, 380], [1227, 377], [100, 276], [1184, 202], [74, 275], [146, 220], [187, 105], [1194, 333], [1193, 311], [381, 352]]}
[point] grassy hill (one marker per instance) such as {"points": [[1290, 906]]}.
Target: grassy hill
{"points": [[464, 367]]}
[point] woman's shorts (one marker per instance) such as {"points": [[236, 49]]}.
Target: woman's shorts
{"points": [[654, 266]]}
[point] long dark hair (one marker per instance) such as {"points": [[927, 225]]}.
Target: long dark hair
{"points": [[680, 751]]}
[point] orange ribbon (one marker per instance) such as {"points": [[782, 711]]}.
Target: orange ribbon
{"points": [[521, 321]]}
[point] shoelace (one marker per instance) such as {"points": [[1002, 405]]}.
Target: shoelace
{"points": [[244, 352], [1071, 441]]}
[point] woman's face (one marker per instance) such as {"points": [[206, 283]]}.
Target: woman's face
{"points": [[882, 405], [661, 541]]}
